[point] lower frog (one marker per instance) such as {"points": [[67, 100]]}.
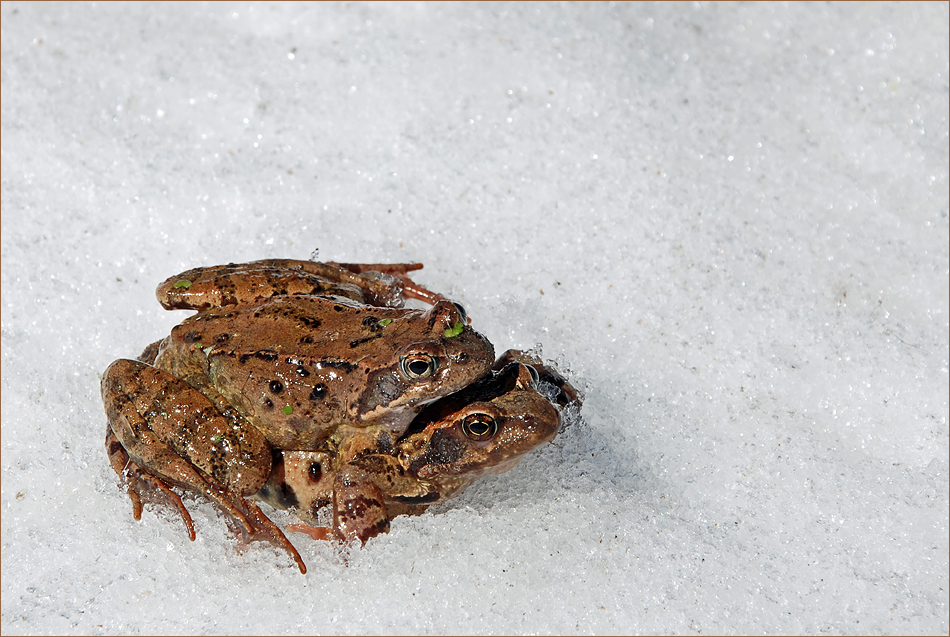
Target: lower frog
{"points": [[486, 428], [282, 354]]}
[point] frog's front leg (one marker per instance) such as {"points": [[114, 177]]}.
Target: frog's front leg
{"points": [[359, 513], [364, 491], [359, 508], [169, 433]]}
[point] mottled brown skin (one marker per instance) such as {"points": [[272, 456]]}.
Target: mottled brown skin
{"points": [[438, 457], [379, 284], [278, 357], [325, 360]]}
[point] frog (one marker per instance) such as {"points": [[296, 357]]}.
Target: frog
{"points": [[485, 428], [281, 354]]}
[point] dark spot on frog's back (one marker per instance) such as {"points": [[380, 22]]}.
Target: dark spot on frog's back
{"points": [[344, 365], [309, 321], [264, 355], [222, 338], [319, 391], [276, 387], [372, 324], [360, 341]]}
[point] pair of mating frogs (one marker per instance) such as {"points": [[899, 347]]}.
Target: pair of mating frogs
{"points": [[308, 385]]}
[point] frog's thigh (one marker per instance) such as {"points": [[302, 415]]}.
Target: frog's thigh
{"points": [[244, 283], [172, 429]]}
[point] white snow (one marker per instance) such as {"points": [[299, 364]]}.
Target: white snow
{"points": [[728, 224]]}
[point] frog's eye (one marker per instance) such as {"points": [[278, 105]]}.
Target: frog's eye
{"points": [[416, 366], [535, 377], [463, 315], [479, 427]]}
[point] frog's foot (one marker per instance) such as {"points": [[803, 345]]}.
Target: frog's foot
{"points": [[173, 433], [264, 530], [139, 480], [141, 483]]}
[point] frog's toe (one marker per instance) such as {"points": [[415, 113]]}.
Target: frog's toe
{"points": [[265, 530], [323, 533], [137, 478]]}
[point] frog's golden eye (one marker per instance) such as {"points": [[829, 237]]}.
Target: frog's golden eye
{"points": [[479, 427], [416, 366]]}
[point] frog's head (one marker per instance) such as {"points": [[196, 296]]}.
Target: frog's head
{"points": [[442, 356], [485, 428]]}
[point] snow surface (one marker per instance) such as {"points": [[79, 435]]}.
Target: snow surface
{"points": [[727, 223]]}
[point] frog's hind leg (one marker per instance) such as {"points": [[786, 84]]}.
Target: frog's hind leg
{"points": [[165, 432], [253, 522], [244, 283], [410, 289], [264, 530], [138, 480]]}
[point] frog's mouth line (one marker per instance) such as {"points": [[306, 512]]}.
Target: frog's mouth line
{"points": [[484, 390]]}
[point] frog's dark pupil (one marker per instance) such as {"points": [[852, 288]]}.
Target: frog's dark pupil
{"points": [[315, 471], [276, 386], [478, 428], [418, 367]]}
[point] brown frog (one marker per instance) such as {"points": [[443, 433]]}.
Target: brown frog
{"points": [[486, 428], [282, 354]]}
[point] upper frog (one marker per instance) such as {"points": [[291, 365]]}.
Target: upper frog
{"points": [[485, 428], [297, 364]]}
